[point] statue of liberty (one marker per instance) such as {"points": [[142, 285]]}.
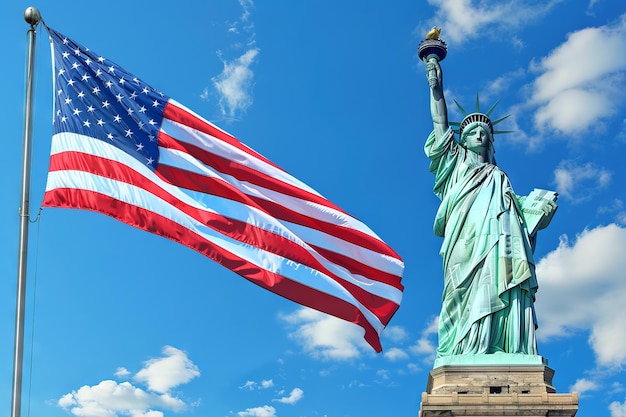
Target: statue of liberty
{"points": [[488, 234]]}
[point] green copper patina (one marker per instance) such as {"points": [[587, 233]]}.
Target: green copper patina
{"points": [[489, 233]]}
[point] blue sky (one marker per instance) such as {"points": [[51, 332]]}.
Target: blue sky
{"points": [[332, 91]]}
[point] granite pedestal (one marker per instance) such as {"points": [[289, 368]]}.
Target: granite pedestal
{"points": [[495, 390]]}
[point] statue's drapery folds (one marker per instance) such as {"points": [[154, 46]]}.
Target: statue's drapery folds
{"points": [[489, 273]]}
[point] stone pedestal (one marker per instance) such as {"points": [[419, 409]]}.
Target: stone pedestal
{"points": [[494, 391]]}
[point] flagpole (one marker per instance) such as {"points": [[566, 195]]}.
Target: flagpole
{"points": [[32, 17]]}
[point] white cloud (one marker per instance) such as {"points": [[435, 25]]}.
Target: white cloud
{"points": [[252, 385], [234, 84], [618, 409], [109, 398], [295, 395], [425, 345], [263, 411], [582, 385], [326, 337], [395, 333], [580, 182], [463, 20], [249, 385], [174, 369], [582, 288], [396, 354], [581, 81]]}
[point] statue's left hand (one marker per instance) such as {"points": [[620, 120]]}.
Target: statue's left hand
{"points": [[548, 208]]}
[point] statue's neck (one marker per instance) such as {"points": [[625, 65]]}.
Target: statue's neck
{"points": [[486, 156]]}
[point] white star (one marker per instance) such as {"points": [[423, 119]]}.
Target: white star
{"points": [[95, 90], [91, 109], [155, 103], [150, 161], [110, 136], [151, 137], [139, 147], [81, 94], [122, 81], [65, 41], [68, 100], [106, 104], [111, 69], [135, 79], [59, 91], [77, 112], [100, 59], [77, 51], [140, 124], [100, 122], [108, 84], [142, 109], [119, 97], [98, 72], [152, 122], [71, 82], [129, 111], [63, 119], [86, 123], [129, 133], [88, 61], [61, 71], [85, 77], [133, 95], [75, 65], [145, 90], [117, 118], [65, 54]]}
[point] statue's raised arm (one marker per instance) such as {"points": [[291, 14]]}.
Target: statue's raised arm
{"points": [[433, 50], [438, 108]]}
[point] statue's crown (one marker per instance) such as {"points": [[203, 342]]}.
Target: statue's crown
{"points": [[475, 117], [478, 117]]}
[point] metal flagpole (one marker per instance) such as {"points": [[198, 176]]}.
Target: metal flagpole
{"points": [[32, 17]]}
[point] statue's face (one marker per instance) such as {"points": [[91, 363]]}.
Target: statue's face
{"points": [[477, 137]]}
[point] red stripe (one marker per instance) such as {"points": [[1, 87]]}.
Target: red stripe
{"points": [[154, 223], [356, 267], [179, 115], [207, 185], [235, 229], [344, 233], [241, 172]]}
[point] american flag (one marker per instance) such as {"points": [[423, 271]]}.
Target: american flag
{"points": [[126, 150]]}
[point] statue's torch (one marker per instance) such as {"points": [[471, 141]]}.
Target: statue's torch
{"points": [[432, 48]]}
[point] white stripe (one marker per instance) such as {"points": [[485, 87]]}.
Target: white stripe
{"points": [[192, 136], [215, 145], [182, 160], [271, 262], [72, 142]]}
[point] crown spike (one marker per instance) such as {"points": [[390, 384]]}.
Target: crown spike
{"points": [[493, 107], [495, 122], [478, 104], [461, 108]]}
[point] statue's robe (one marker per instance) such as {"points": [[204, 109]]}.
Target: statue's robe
{"points": [[489, 272]]}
